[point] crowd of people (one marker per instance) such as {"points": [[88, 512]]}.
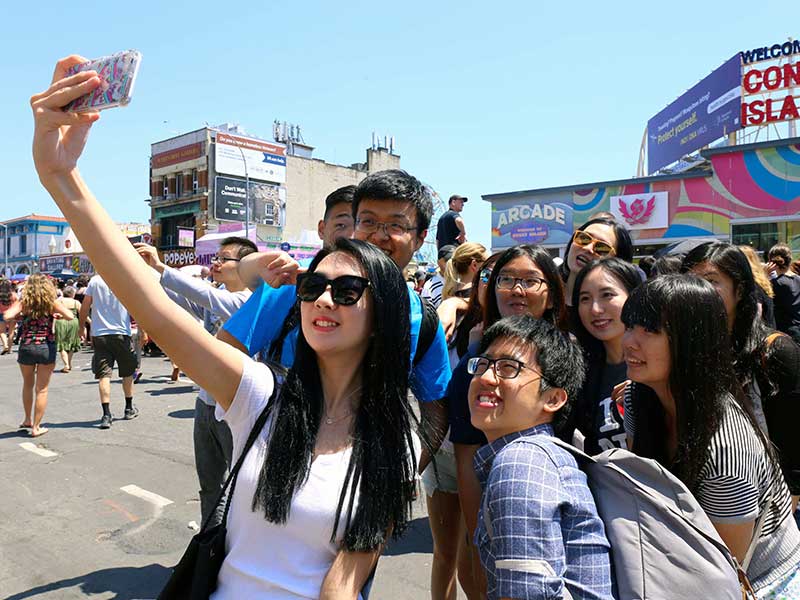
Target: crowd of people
{"points": [[523, 370]]}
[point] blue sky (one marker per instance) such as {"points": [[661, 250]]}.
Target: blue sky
{"points": [[480, 97]]}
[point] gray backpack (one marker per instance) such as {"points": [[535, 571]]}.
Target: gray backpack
{"points": [[663, 546]]}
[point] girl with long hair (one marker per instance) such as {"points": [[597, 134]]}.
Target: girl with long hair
{"points": [[7, 328], [524, 280], [767, 365], [461, 268], [37, 350], [764, 292], [600, 291], [330, 476], [594, 239], [682, 411]]}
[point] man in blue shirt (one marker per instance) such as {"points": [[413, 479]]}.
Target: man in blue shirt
{"points": [[539, 534], [392, 210]]}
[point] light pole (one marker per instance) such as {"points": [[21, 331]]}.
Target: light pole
{"points": [[5, 248]]}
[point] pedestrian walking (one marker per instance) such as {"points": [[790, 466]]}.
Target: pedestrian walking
{"points": [[7, 328], [68, 336]]}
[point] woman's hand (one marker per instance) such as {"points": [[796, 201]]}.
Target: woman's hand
{"points": [[59, 137]]}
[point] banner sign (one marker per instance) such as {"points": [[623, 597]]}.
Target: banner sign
{"points": [[531, 223], [179, 258], [185, 237], [229, 200], [641, 211], [773, 88], [264, 161], [178, 155], [709, 110]]}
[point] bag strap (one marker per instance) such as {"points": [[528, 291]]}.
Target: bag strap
{"points": [[231, 480]]}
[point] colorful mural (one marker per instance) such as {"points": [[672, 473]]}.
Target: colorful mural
{"points": [[763, 183]]}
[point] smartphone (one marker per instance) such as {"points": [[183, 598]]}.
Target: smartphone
{"points": [[117, 74]]}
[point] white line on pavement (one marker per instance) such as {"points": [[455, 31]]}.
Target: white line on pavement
{"points": [[135, 490], [36, 450]]}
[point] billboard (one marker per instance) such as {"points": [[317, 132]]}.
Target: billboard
{"points": [[642, 211], [185, 237], [708, 111], [531, 223], [229, 200], [264, 161]]}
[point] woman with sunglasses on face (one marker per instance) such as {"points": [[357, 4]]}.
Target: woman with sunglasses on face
{"points": [[683, 411], [524, 280], [314, 501], [601, 289], [767, 364], [594, 239]]}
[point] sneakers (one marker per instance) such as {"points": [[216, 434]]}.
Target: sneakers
{"points": [[105, 422], [131, 413], [137, 375]]}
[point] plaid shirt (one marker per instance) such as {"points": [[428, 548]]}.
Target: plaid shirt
{"points": [[546, 536]]}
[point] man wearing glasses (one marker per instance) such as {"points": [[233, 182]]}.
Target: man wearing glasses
{"points": [[213, 444]]}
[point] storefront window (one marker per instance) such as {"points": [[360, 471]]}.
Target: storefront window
{"points": [[762, 236]]}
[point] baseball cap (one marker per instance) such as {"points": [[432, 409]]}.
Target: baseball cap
{"points": [[445, 252], [457, 197]]}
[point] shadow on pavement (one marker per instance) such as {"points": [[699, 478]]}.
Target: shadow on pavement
{"points": [[416, 539], [74, 424], [23, 433], [128, 583], [182, 414], [172, 390]]}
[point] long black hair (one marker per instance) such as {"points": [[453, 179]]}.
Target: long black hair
{"points": [[382, 466], [6, 290], [701, 377], [623, 247], [544, 262], [474, 313], [749, 331]]}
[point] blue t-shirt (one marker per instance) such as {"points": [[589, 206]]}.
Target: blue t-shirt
{"points": [[260, 320]]}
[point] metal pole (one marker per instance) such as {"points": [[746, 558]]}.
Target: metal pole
{"points": [[5, 248], [246, 194]]}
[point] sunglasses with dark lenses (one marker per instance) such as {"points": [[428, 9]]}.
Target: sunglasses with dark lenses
{"points": [[346, 290], [599, 247]]}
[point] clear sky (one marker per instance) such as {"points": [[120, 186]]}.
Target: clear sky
{"points": [[481, 97]]}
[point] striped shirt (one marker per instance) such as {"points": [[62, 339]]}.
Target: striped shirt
{"points": [[739, 485]]}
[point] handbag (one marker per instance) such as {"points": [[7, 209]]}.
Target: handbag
{"points": [[195, 575]]}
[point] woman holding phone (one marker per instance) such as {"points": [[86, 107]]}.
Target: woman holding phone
{"points": [[296, 527]]}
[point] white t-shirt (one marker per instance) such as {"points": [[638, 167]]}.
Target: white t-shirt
{"points": [[109, 317], [267, 560]]}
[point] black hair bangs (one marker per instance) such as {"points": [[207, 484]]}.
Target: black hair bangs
{"points": [[642, 309]]}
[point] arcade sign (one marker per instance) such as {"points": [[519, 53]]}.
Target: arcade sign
{"points": [[531, 223]]}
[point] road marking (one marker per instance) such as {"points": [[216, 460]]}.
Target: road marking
{"points": [[36, 450], [135, 490]]}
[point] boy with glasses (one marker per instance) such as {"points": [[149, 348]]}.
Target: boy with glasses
{"points": [[539, 534]]}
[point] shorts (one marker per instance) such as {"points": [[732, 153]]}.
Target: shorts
{"points": [[110, 349], [37, 354], [446, 468]]}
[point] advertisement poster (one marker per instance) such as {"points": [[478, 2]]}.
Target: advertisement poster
{"points": [[185, 237], [264, 161], [708, 111], [531, 223], [229, 200]]}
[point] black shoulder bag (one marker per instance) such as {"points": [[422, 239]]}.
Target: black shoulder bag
{"points": [[195, 576]]}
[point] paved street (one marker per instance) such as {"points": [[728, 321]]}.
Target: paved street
{"points": [[103, 514]]}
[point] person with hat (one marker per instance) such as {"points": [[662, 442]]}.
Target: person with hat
{"points": [[432, 290], [450, 229]]}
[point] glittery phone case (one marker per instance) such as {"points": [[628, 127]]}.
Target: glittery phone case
{"points": [[117, 73]]}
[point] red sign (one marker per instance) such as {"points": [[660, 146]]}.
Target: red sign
{"points": [[178, 155], [769, 108]]}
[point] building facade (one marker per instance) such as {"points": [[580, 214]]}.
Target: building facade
{"points": [[25, 239], [748, 194], [199, 182]]}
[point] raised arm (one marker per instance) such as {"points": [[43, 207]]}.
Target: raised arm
{"points": [[59, 139]]}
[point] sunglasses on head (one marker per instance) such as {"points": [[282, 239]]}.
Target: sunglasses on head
{"points": [[599, 247], [346, 290]]}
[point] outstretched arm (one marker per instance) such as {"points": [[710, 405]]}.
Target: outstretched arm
{"points": [[59, 139]]}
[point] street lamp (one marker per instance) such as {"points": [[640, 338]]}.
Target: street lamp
{"points": [[5, 248]]}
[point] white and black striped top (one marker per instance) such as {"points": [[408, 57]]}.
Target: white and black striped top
{"points": [[738, 484]]}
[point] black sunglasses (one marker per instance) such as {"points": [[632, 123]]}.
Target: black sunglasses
{"points": [[346, 290]]}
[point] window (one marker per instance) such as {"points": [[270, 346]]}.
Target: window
{"points": [[269, 213], [23, 245], [166, 187], [178, 185], [194, 181]]}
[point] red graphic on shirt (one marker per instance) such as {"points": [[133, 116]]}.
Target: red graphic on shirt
{"points": [[636, 213]]}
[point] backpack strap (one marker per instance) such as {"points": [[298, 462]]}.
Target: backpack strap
{"points": [[427, 330]]}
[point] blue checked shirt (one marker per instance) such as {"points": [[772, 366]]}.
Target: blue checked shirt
{"points": [[546, 536]]}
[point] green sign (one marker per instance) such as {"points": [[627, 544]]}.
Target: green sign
{"points": [[177, 209]]}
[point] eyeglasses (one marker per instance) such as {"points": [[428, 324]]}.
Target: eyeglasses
{"points": [[599, 247], [504, 368], [507, 282], [346, 290], [391, 229], [223, 259], [485, 275]]}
